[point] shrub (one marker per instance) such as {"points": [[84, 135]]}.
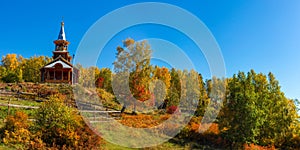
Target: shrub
{"points": [[139, 121], [17, 121], [257, 147], [62, 127], [108, 100], [12, 77], [16, 133]]}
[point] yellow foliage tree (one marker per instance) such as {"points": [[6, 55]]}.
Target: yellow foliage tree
{"points": [[13, 67], [12, 61], [31, 68], [160, 84]]}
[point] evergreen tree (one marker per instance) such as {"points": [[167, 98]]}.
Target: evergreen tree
{"points": [[174, 92]]}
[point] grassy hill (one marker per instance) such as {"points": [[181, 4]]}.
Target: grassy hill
{"points": [[31, 95]]}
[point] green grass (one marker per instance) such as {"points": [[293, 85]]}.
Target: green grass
{"points": [[4, 112], [15, 101], [4, 100], [111, 146], [4, 109], [165, 146], [108, 103], [4, 147]]}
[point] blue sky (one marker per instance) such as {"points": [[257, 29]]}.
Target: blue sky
{"points": [[259, 35]]}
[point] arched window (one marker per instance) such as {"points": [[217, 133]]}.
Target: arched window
{"points": [[58, 66]]}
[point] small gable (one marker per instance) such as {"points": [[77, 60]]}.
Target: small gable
{"points": [[58, 64]]}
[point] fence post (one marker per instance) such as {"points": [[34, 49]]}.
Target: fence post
{"points": [[8, 107]]}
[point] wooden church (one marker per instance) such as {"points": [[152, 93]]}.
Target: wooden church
{"points": [[60, 70]]}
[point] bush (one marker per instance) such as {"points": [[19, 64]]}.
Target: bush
{"points": [[257, 147], [17, 121], [16, 133], [11, 77], [62, 127]]}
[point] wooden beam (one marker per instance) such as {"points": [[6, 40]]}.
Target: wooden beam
{"points": [[69, 75]]}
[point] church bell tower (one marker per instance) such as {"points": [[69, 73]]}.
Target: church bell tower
{"points": [[61, 45], [60, 69]]}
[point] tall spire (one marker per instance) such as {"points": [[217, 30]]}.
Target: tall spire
{"points": [[61, 44], [62, 35]]}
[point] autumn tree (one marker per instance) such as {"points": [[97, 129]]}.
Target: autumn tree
{"points": [[189, 90], [160, 84], [11, 61], [203, 97], [216, 92], [281, 113], [31, 68], [103, 79], [174, 92], [257, 111], [2, 72], [13, 68], [88, 76], [133, 65]]}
